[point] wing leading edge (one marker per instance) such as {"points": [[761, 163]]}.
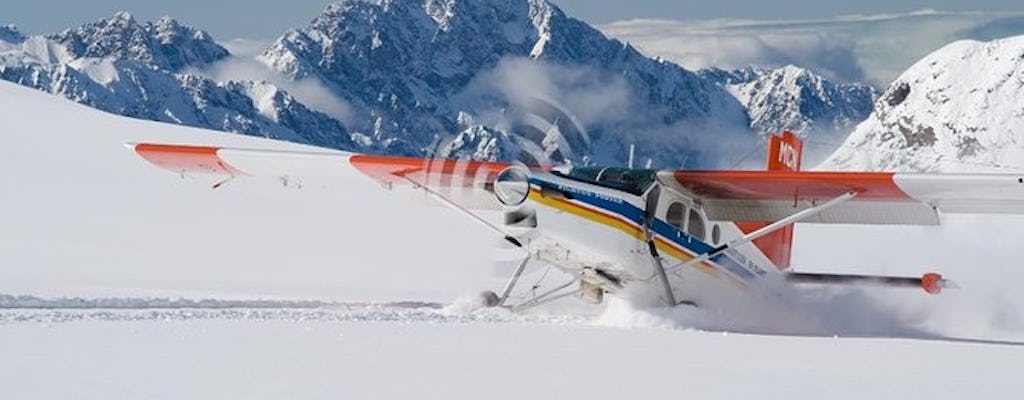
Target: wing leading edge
{"points": [[466, 182]]}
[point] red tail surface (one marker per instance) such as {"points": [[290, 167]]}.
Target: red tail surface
{"points": [[785, 151]]}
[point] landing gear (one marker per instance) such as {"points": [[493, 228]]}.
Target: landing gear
{"points": [[491, 299]]}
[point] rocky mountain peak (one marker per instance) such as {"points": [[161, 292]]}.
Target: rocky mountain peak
{"points": [[410, 68], [139, 70], [797, 99], [165, 44], [11, 34]]}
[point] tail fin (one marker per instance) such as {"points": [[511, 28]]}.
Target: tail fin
{"points": [[785, 151]]}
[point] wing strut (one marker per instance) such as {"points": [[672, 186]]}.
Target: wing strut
{"points": [[512, 281], [782, 223], [548, 296], [455, 206], [659, 268]]}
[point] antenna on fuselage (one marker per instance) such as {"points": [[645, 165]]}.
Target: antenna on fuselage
{"points": [[632, 153]]}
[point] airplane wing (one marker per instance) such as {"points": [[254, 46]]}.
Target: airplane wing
{"points": [[880, 198], [466, 182]]}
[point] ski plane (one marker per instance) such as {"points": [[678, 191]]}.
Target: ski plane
{"points": [[715, 239]]}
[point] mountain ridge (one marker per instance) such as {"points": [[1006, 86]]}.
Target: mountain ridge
{"points": [[483, 79], [791, 98], [138, 70]]}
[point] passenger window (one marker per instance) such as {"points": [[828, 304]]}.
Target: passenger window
{"points": [[696, 228], [674, 216]]}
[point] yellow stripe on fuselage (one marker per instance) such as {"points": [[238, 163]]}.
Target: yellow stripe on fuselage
{"points": [[632, 230], [587, 213]]}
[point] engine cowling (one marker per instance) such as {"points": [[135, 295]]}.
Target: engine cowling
{"points": [[512, 188]]}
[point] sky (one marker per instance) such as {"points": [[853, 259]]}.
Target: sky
{"points": [[267, 19], [875, 49], [769, 10]]}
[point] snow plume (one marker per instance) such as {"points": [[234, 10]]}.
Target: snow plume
{"points": [[815, 312], [846, 48], [840, 312], [243, 65], [986, 306]]}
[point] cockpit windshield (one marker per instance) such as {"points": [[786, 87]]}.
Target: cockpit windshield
{"points": [[634, 181]]}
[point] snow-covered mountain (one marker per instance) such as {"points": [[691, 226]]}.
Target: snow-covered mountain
{"points": [[166, 44], [488, 79], [960, 108], [412, 68], [124, 67], [798, 100]]}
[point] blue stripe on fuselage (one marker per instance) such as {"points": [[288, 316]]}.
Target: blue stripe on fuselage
{"points": [[697, 246]]}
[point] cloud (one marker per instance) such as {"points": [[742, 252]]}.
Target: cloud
{"points": [[873, 48], [995, 29], [592, 96], [986, 306], [242, 65], [977, 252], [519, 93], [608, 107]]}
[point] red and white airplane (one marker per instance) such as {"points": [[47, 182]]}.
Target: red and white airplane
{"points": [[715, 239]]}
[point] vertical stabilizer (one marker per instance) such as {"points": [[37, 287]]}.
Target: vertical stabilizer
{"points": [[785, 152]]}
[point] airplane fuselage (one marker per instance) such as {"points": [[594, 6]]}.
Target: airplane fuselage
{"points": [[603, 235]]}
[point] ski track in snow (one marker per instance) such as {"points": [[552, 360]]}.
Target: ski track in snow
{"points": [[343, 314], [28, 309], [620, 315]]}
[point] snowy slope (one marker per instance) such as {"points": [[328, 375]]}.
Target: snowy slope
{"points": [[958, 109], [84, 216], [302, 356]]}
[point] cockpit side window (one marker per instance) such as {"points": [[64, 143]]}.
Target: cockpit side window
{"points": [[634, 181], [697, 226], [675, 214]]}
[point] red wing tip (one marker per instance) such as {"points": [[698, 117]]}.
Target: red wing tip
{"points": [[184, 158], [174, 148], [932, 283]]}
